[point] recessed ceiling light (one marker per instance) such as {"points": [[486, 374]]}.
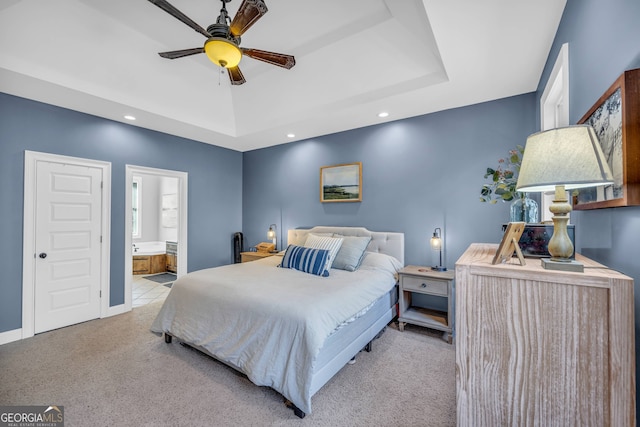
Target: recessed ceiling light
{"points": [[291, 135], [383, 114], [129, 117]]}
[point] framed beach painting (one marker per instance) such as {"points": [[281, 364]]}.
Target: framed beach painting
{"points": [[616, 119], [341, 183]]}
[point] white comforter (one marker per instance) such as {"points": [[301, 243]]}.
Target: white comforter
{"points": [[268, 322]]}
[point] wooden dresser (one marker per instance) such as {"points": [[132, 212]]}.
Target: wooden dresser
{"points": [[542, 347]]}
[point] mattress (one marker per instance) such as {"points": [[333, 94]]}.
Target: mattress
{"points": [[276, 325], [380, 312]]}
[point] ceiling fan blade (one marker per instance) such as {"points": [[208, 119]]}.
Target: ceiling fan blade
{"points": [[248, 13], [174, 54], [279, 59], [171, 10], [235, 75]]}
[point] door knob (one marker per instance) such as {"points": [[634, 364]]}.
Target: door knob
{"points": [[42, 255]]}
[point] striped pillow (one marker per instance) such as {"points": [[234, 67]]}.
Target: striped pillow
{"points": [[308, 260], [332, 244]]}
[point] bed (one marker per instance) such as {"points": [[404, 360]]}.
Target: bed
{"points": [[288, 328]]}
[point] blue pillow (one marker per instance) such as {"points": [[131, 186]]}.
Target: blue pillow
{"points": [[351, 252], [308, 260]]}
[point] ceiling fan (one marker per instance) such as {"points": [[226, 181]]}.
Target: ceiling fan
{"points": [[223, 38]]}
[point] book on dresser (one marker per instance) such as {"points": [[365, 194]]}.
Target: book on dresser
{"points": [[543, 347]]}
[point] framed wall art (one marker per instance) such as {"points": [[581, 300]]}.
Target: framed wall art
{"points": [[616, 119], [341, 183]]}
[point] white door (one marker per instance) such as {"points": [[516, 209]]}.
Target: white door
{"points": [[68, 208]]}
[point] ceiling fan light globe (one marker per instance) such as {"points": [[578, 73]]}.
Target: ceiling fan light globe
{"points": [[223, 52]]}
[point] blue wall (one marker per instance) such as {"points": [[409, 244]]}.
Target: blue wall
{"points": [[604, 41], [214, 199], [418, 174], [425, 172]]}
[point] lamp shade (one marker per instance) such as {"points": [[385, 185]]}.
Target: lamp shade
{"points": [[436, 243], [222, 52], [569, 156]]}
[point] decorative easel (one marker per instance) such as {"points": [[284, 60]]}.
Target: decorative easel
{"points": [[509, 244]]}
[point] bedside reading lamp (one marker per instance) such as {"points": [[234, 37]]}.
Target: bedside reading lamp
{"points": [[562, 159], [271, 234], [436, 245]]}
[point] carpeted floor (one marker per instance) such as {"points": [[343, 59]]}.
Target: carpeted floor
{"points": [[114, 372]]}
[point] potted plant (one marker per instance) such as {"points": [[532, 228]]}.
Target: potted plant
{"points": [[503, 187]]}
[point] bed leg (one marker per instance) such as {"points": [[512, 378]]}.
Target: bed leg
{"points": [[370, 343], [167, 338], [296, 410]]}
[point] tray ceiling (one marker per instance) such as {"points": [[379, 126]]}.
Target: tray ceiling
{"points": [[354, 59]]}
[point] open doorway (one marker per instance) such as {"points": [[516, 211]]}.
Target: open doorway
{"points": [[155, 221]]}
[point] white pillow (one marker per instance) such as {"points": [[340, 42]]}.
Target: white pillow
{"points": [[378, 261], [332, 244]]}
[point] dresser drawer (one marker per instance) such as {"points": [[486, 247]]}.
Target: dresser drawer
{"points": [[422, 284]]}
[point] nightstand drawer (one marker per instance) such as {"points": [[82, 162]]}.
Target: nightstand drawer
{"points": [[421, 284]]}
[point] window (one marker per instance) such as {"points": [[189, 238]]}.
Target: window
{"points": [[554, 112], [135, 206]]}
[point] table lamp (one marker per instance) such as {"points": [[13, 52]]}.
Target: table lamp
{"points": [[562, 159], [436, 245], [271, 234]]}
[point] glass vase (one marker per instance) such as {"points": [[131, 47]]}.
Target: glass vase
{"points": [[524, 209]]}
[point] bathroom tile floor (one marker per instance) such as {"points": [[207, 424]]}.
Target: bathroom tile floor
{"points": [[146, 291]]}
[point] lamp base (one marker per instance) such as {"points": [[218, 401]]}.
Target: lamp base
{"points": [[572, 265], [439, 268]]}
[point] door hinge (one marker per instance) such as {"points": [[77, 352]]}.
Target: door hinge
{"points": [[100, 294], [100, 239], [101, 184]]}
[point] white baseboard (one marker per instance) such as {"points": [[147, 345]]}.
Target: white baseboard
{"points": [[16, 334], [10, 336]]}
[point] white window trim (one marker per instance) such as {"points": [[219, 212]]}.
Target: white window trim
{"points": [[138, 181], [554, 111]]}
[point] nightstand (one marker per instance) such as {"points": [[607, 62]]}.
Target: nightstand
{"points": [[252, 256], [423, 280]]}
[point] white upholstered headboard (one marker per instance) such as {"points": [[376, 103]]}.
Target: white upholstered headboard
{"points": [[388, 243]]}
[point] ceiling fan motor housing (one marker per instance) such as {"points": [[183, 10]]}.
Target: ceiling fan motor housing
{"points": [[222, 31]]}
